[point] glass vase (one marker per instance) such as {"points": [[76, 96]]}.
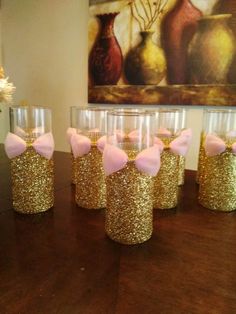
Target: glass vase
{"points": [[217, 184], [30, 147], [129, 210], [168, 128], [87, 148]]}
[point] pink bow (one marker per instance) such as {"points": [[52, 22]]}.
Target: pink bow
{"points": [[180, 145], [81, 145], [215, 145], [69, 133], [43, 145], [115, 159]]}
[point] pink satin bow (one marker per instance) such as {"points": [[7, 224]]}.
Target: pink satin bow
{"points": [[115, 159], [43, 145], [81, 145], [215, 145], [180, 145]]}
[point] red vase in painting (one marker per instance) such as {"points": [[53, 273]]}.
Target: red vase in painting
{"points": [[178, 28], [105, 60]]}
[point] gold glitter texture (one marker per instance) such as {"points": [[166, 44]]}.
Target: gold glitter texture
{"points": [[166, 181], [218, 182], [32, 182], [129, 211], [90, 180], [73, 169], [201, 159], [181, 170]]}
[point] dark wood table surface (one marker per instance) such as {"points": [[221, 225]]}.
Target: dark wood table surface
{"points": [[62, 262]]}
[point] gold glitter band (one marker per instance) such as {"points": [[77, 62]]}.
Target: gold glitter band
{"points": [[73, 169], [181, 170], [129, 212], [166, 181], [201, 159], [32, 182], [218, 182], [90, 180]]}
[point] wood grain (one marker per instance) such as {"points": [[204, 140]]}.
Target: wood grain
{"points": [[62, 262]]}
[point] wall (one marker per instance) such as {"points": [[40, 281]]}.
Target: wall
{"points": [[45, 56]]}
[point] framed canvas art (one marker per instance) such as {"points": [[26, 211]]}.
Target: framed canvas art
{"points": [[175, 52]]}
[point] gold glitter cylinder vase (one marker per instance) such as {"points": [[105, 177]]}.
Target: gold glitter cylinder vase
{"points": [[87, 146], [90, 180], [218, 183], [166, 182], [30, 147], [32, 182], [129, 211], [181, 174], [130, 161]]}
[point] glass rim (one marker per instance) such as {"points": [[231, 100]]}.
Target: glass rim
{"points": [[219, 111], [98, 109], [30, 107], [130, 113], [170, 110]]}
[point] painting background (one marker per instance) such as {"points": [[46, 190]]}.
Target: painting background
{"points": [[126, 30]]}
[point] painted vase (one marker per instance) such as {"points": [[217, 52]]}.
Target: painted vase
{"points": [[105, 60], [211, 50], [145, 64], [229, 6], [178, 28]]}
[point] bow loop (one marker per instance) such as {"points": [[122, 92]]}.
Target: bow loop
{"points": [[214, 145], [148, 160], [44, 145], [69, 133], [80, 145], [14, 145], [180, 145]]}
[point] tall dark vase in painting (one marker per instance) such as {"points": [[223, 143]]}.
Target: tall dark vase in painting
{"points": [[105, 60], [178, 28]]}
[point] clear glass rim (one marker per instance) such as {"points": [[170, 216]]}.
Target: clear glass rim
{"points": [[130, 113], [30, 107], [95, 109], [163, 110], [219, 111]]}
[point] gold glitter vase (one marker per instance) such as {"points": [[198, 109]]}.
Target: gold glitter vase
{"points": [[129, 211], [32, 182], [181, 174], [201, 159], [218, 182], [166, 182], [90, 180]]}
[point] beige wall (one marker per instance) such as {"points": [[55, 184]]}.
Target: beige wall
{"points": [[45, 55]]}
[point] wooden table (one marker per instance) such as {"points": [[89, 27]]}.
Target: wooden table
{"points": [[62, 262]]}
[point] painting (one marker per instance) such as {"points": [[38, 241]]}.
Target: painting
{"points": [[175, 52]]}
